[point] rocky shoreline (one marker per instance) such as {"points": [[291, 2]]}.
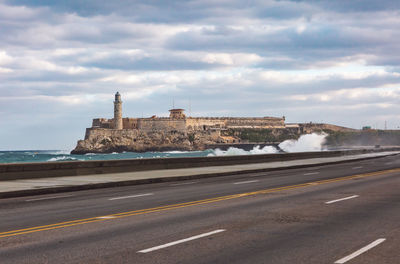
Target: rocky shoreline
{"points": [[136, 141]]}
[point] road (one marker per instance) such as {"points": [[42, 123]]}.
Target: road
{"points": [[343, 213]]}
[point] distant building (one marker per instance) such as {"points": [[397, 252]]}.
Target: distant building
{"points": [[178, 121]]}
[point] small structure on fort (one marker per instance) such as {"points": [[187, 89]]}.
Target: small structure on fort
{"points": [[180, 132]]}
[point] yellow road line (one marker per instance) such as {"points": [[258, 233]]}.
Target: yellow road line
{"points": [[186, 204]]}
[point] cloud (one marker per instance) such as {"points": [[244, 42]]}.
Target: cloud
{"points": [[307, 60]]}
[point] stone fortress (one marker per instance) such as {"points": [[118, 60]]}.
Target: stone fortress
{"points": [[178, 121], [176, 132]]}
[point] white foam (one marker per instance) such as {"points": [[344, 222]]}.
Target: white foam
{"points": [[180, 151], [237, 151], [62, 158], [55, 152], [309, 142]]}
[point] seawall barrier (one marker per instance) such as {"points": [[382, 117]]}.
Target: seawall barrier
{"points": [[17, 171]]}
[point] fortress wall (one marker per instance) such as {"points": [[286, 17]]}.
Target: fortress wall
{"points": [[199, 123], [102, 122], [163, 124], [114, 133], [130, 123], [268, 122]]}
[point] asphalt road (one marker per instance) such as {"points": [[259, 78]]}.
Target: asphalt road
{"points": [[343, 213]]}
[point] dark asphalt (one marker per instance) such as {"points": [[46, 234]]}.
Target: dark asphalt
{"points": [[290, 226]]}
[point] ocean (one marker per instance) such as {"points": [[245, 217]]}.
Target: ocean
{"points": [[309, 142], [62, 155]]}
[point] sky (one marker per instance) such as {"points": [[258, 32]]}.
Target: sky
{"points": [[61, 62]]}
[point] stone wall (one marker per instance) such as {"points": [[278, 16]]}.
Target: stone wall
{"points": [[203, 123], [191, 123], [263, 122], [102, 123], [130, 123], [92, 133], [161, 124]]}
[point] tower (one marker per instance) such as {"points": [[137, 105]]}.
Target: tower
{"points": [[118, 112]]}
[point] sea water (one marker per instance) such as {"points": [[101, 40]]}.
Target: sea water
{"points": [[310, 142]]}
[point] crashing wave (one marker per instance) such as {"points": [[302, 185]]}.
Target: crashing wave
{"points": [[305, 143], [309, 142]]}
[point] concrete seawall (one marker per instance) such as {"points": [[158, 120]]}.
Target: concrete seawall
{"points": [[77, 168]]}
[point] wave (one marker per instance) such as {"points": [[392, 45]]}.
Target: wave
{"points": [[63, 158], [305, 143], [53, 152], [232, 151], [308, 142]]}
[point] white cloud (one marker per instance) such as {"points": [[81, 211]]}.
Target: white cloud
{"points": [[269, 58]]}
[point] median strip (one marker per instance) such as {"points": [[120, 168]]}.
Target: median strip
{"points": [[187, 204], [181, 241]]}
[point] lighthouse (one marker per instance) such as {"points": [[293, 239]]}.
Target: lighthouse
{"points": [[118, 112]]}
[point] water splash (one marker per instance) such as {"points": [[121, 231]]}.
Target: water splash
{"points": [[309, 142], [232, 151]]}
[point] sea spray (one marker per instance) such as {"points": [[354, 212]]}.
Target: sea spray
{"points": [[232, 151], [309, 142]]}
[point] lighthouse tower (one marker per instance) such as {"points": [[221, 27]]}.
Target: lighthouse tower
{"points": [[118, 112]]}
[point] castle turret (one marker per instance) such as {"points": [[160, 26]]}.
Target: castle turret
{"points": [[118, 112]]}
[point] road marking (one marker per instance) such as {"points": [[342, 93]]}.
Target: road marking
{"points": [[106, 217], [47, 198], [244, 182], [356, 168], [181, 241], [360, 251], [34, 229], [311, 173], [184, 183], [388, 163], [130, 196], [342, 199]]}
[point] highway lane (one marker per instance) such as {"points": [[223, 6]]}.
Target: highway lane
{"points": [[277, 227], [48, 209]]}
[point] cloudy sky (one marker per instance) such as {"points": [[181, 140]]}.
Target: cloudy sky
{"points": [[323, 61]]}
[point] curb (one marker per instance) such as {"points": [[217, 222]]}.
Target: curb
{"points": [[53, 190]]}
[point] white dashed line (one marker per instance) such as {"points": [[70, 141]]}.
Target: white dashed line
{"points": [[184, 183], [48, 198], [360, 251], [244, 182], [181, 241], [106, 217], [356, 168], [342, 199], [130, 196], [311, 173]]}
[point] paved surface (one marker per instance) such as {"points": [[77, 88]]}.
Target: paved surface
{"points": [[62, 182], [342, 213]]}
